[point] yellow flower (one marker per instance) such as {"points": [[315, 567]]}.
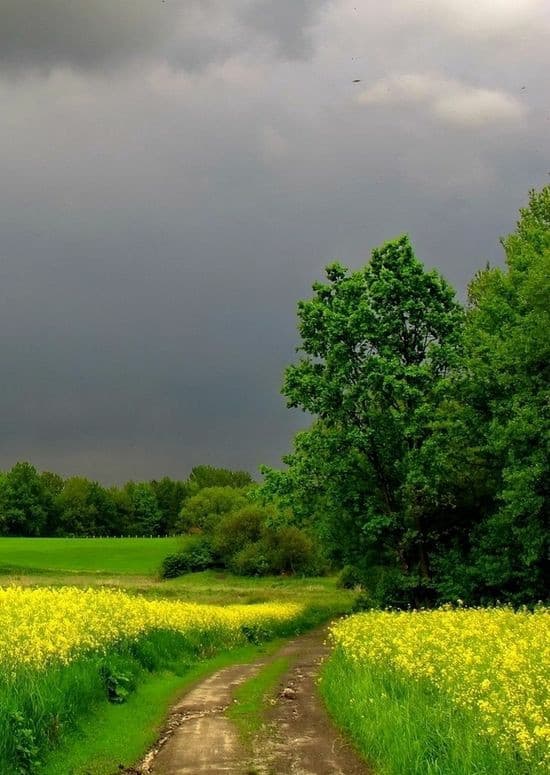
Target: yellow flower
{"points": [[494, 663]]}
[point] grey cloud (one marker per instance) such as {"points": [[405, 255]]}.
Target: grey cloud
{"points": [[157, 227], [81, 33], [449, 100], [190, 34], [287, 22]]}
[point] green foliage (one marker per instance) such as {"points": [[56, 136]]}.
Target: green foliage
{"points": [[236, 530], [208, 476], [291, 550], [196, 555], [252, 540], [44, 504], [145, 512], [25, 503], [350, 577], [205, 509], [426, 467], [170, 495], [252, 560], [85, 508], [378, 344], [284, 550], [26, 751], [118, 683], [508, 338]]}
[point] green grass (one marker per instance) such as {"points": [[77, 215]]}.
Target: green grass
{"points": [[54, 710], [252, 697], [408, 728], [119, 556], [39, 709], [122, 734]]}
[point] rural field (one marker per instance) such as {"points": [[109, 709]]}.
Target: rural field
{"points": [[96, 647], [275, 401], [95, 651], [96, 556]]}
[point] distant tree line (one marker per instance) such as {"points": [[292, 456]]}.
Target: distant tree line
{"points": [[426, 470], [45, 504]]}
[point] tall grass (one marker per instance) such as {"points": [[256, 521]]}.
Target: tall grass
{"points": [[406, 727], [38, 708]]}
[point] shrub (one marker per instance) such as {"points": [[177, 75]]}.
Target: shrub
{"points": [[286, 550], [238, 529], [196, 555], [349, 577], [252, 560], [291, 550]]}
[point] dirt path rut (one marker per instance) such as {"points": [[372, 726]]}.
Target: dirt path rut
{"points": [[199, 738], [298, 738]]}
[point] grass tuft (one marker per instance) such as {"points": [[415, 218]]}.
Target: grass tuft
{"points": [[251, 698]]}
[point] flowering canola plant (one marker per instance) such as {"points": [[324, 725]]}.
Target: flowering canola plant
{"points": [[40, 627], [494, 663]]}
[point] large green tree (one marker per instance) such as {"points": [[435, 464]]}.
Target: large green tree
{"points": [[170, 495], [507, 382], [25, 502], [205, 509], [85, 508], [146, 516], [378, 344]]}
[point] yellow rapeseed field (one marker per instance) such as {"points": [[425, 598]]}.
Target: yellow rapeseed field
{"points": [[43, 626], [494, 663]]}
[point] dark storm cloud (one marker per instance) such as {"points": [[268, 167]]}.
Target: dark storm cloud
{"points": [[106, 33], [81, 33], [159, 221], [287, 22]]}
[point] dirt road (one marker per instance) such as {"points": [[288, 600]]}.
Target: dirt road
{"points": [[297, 737]]}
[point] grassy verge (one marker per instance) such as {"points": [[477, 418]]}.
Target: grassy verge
{"points": [[116, 735], [252, 697], [403, 726]]}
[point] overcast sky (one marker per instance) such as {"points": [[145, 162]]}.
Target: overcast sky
{"points": [[174, 174]]}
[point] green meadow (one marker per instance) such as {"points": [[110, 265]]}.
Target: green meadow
{"points": [[120, 556]]}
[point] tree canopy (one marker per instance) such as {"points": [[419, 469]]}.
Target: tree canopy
{"points": [[427, 462]]}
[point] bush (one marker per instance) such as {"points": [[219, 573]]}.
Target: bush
{"points": [[292, 550], [286, 550], [196, 555], [238, 529], [349, 577], [252, 560]]}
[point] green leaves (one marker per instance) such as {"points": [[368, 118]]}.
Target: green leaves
{"points": [[376, 343], [508, 369], [428, 461]]}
